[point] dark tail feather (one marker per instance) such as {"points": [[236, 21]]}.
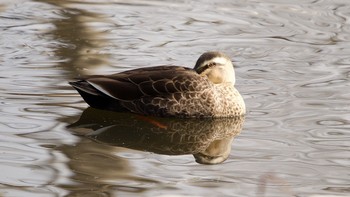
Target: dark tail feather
{"points": [[95, 98], [84, 86]]}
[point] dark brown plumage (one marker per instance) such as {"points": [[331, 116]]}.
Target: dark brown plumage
{"points": [[169, 91]]}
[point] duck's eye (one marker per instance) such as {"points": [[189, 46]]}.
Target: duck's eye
{"points": [[211, 64], [205, 67]]}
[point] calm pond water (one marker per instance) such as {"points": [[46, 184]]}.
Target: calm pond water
{"points": [[292, 67]]}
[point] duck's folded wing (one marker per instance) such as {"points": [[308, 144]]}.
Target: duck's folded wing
{"points": [[148, 82], [151, 91]]}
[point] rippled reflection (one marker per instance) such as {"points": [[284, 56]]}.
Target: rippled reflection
{"points": [[209, 140], [79, 42]]}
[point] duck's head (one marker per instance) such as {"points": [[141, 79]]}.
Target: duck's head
{"points": [[216, 66]]}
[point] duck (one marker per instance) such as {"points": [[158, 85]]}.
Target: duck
{"points": [[206, 91]]}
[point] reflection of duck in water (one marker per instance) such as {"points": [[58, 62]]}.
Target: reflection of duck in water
{"points": [[172, 91], [209, 140]]}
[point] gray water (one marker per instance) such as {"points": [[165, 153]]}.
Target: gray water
{"points": [[292, 65]]}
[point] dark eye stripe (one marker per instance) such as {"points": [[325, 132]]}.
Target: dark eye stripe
{"points": [[205, 67]]}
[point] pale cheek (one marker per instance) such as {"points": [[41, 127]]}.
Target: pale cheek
{"points": [[215, 76]]}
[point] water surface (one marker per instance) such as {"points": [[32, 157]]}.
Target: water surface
{"points": [[292, 67]]}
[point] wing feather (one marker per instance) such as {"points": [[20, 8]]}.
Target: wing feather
{"points": [[155, 81], [150, 90]]}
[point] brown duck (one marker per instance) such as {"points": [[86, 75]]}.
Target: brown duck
{"points": [[169, 91]]}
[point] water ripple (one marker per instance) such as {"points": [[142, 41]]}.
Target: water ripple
{"points": [[292, 66]]}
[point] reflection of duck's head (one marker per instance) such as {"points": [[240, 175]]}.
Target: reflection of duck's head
{"points": [[217, 152], [216, 66]]}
